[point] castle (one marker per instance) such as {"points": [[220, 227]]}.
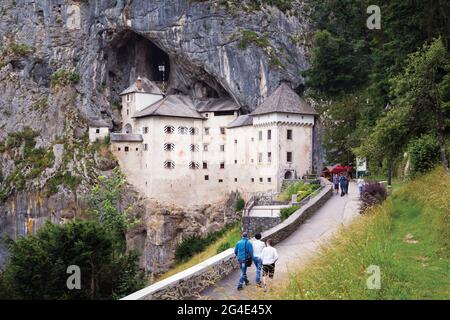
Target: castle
{"points": [[183, 150]]}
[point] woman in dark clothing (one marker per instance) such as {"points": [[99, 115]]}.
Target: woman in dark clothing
{"points": [[342, 182]]}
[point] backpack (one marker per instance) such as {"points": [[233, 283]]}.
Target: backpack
{"points": [[248, 257]]}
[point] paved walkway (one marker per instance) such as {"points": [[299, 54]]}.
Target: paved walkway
{"points": [[299, 246]]}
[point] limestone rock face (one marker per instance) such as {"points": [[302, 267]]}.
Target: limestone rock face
{"points": [[163, 228], [63, 62]]}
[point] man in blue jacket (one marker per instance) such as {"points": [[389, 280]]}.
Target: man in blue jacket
{"points": [[243, 250]]}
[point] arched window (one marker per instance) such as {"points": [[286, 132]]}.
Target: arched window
{"points": [[169, 164], [193, 165], [169, 146], [193, 131], [288, 175], [182, 130], [194, 148], [169, 129]]}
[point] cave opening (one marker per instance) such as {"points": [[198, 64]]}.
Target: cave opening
{"points": [[131, 55]]}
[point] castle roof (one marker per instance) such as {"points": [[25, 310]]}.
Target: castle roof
{"points": [[243, 120], [147, 87], [221, 104], [284, 99], [175, 105], [126, 137]]}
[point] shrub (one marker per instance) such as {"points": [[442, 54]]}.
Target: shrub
{"points": [[195, 244], [423, 153], [287, 212], [65, 77], [37, 264], [223, 246], [240, 204], [374, 193]]}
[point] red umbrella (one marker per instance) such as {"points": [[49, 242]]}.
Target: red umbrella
{"points": [[338, 169]]}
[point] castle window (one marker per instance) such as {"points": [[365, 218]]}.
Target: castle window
{"points": [[145, 146], [269, 157], [235, 141], [269, 179], [128, 112], [137, 149], [222, 165], [207, 115], [194, 147], [118, 149], [193, 131], [222, 147], [253, 139], [97, 130], [127, 149], [206, 177], [205, 165], [235, 161], [128, 97], [182, 130], [169, 129], [206, 131], [145, 130], [259, 157], [235, 179], [205, 147], [220, 180], [193, 165], [222, 130], [251, 160], [260, 135], [289, 156], [269, 134], [289, 134], [253, 179], [169, 146], [260, 179], [169, 164]]}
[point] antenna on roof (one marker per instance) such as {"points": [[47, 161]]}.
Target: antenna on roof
{"points": [[162, 68]]}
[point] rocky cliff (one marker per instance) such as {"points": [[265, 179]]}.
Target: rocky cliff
{"points": [[63, 62]]}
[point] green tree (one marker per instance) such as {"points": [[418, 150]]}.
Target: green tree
{"points": [[421, 86], [37, 264], [352, 64], [104, 207], [423, 154], [419, 106]]}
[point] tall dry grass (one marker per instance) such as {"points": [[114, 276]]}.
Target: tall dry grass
{"points": [[407, 237]]}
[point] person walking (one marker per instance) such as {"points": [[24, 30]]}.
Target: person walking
{"points": [[244, 254], [347, 182], [361, 184], [342, 183], [269, 258], [336, 182], [258, 247]]}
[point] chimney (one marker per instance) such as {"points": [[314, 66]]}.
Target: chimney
{"points": [[139, 83]]}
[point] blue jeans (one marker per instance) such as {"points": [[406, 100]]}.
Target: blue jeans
{"points": [[258, 265], [243, 277]]}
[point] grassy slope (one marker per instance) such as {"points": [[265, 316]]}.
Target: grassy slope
{"points": [[232, 236], [408, 237]]}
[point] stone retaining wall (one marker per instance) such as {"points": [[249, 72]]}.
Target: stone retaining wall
{"points": [[253, 225], [190, 282]]}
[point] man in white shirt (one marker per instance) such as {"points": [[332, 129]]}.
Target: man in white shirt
{"points": [[258, 247], [269, 256]]}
